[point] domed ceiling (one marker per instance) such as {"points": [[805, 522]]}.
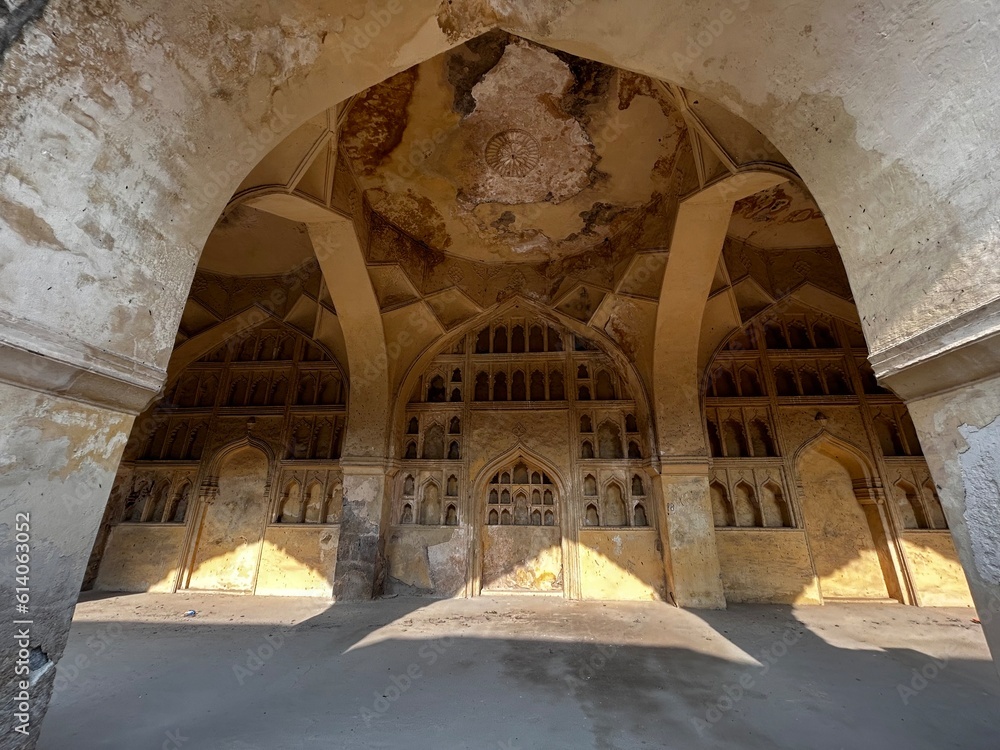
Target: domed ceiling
{"points": [[502, 150]]}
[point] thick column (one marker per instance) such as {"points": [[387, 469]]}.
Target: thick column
{"points": [[58, 459], [360, 552], [960, 435], [365, 445], [698, 235], [949, 378], [694, 559]]}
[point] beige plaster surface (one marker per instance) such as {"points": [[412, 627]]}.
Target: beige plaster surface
{"points": [[766, 566]]}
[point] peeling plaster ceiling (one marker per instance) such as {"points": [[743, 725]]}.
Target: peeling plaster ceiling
{"points": [[503, 150]]}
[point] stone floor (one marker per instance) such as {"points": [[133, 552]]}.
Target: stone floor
{"points": [[501, 673]]}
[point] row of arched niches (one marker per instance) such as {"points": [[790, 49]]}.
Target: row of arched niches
{"points": [[522, 364], [271, 383], [771, 387]]}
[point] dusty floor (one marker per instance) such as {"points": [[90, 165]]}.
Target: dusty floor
{"points": [[518, 672]]}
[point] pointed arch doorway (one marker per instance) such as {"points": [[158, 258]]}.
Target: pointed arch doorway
{"points": [[520, 547], [846, 526], [230, 528]]}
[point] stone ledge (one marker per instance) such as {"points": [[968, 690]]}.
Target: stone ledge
{"points": [[41, 359], [961, 351]]}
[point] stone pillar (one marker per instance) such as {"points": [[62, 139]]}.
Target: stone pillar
{"points": [[58, 459], [360, 552], [960, 434], [696, 242], [948, 377], [695, 574]]}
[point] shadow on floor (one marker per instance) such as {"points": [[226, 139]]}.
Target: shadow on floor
{"points": [[527, 672]]}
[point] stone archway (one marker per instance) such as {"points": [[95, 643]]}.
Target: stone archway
{"points": [[91, 341]]}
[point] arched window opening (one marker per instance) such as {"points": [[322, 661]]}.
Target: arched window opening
{"points": [[456, 375], [811, 385], [614, 506], [911, 510], [555, 340], [179, 511], [500, 340], [517, 339], [609, 441], [824, 337], [774, 337], [315, 501], [520, 474], [290, 510], [436, 390], [536, 339], [932, 502], [836, 382], [413, 427], [483, 341], [430, 507], [637, 486], [605, 386], [500, 386], [734, 440], [745, 506], [456, 395], [537, 386], [482, 392], [912, 442], [750, 383], [888, 437], [723, 383], [517, 388], [785, 383], [714, 443], [582, 372], [434, 442], [631, 425], [774, 507], [722, 512], [798, 336], [557, 389], [760, 439]]}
